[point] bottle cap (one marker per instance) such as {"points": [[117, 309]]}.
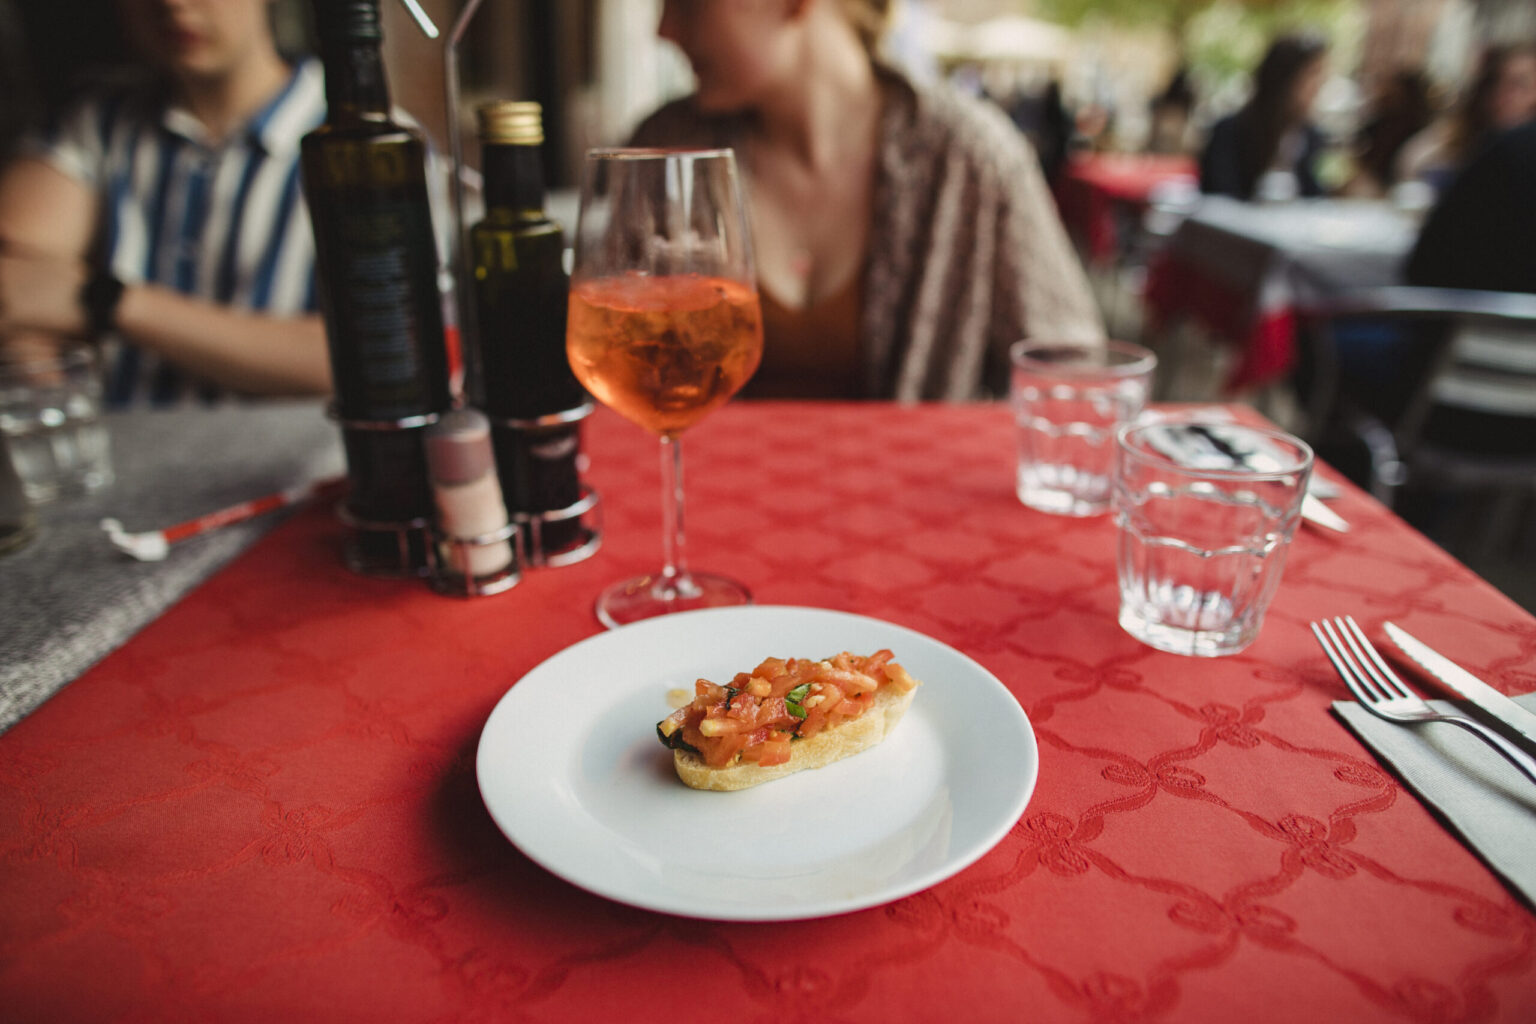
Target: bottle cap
{"points": [[511, 123], [459, 447]]}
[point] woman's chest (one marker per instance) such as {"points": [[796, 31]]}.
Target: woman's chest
{"points": [[810, 233]]}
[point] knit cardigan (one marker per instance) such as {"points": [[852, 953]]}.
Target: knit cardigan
{"points": [[966, 252]]}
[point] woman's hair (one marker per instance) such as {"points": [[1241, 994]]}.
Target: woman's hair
{"points": [[1178, 92], [1473, 119], [1269, 112], [1403, 109], [869, 19]]}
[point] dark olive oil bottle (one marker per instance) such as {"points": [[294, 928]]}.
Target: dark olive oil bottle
{"points": [[365, 183]]}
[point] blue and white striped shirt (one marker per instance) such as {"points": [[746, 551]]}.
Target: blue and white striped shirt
{"points": [[221, 221]]}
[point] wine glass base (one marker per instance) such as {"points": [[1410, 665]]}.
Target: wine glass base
{"points": [[645, 597]]}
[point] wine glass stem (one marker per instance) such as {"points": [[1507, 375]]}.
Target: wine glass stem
{"points": [[675, 581]]}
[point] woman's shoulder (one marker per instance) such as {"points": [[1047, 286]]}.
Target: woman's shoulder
{"points": [[939, 120], [681, 123]]}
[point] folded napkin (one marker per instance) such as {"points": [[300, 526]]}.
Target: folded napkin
{"points": [[1484, 798]]}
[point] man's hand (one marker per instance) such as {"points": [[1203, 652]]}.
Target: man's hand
{"points": [[31, 347]]}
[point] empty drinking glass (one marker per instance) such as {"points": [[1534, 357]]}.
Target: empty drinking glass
{"points": [[1068, 400], [1206, 511]]}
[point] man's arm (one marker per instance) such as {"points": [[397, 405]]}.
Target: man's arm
{"points": [[47, 222], [45, 211], [254, 353]]}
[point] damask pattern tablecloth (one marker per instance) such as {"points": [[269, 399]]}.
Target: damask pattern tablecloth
{"points": [[263, 807]]}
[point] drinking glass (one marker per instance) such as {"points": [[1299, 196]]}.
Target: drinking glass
{"points": [[50, 413], [18, 522], [1068, 401], [664, 327], [1206, 512]]}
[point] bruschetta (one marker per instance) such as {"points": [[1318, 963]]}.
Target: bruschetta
{"points": [[785, 716]]}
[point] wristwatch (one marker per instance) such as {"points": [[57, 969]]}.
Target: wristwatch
{"points": [[99, 299]]}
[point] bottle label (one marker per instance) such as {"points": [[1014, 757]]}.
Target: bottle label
{"points": [[366, 167], [495, 251], [383, 312]]}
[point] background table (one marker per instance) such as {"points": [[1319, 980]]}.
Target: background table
{"points": [[1099, 192], [263, 807], [1245, 270]]}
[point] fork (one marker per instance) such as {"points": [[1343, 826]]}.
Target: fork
{"points": [[1383, 694]]}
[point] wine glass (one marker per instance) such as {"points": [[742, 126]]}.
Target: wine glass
{"points": [[664, 328]]}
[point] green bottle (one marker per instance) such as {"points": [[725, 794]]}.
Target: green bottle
{"points": [[521, 292]]}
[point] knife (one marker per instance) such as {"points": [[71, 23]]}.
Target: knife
{"points": [[1213, 446], [1466, 684], [1315, 512]]}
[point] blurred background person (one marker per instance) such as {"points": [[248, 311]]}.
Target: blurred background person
{"points": [[1502, 95], [904, 234], [171, 216], [1042, 115], [1482, 233], [1046, 122], [1400, 111], [1270, 149], [1170, 113]]}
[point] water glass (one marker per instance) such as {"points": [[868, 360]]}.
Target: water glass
{"points": [[17, 520], [1205, 513], [50, 413], [1068, 401]]}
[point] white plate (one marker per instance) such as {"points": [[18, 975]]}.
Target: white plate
{"points": [[571, 770]]}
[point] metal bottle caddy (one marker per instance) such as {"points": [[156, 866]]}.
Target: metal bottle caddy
{"points": [[533, 524], [444, 578], [370, 540], [423, 542]]}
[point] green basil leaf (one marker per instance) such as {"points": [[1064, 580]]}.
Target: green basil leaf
{"points": [[794, 698]]}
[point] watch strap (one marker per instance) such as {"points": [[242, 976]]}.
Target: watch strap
{"points": [[99, 298]]}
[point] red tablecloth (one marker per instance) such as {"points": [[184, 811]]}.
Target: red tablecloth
{"points": [[1094, 185], [263, 807]]}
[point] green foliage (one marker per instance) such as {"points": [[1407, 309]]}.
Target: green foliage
{"points": [[1139, 13], [1249, 19], [1221, 40]]}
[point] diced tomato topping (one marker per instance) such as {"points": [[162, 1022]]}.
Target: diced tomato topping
{"points": [[774, 750], [758, 716]]}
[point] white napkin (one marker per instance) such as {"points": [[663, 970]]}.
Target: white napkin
{"points": [[1484, 798]]}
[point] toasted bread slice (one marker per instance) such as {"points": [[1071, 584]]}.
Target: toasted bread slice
{"points": [[832, 744]]}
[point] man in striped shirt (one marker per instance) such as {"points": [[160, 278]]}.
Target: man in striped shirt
{"points": [[174, 218]]}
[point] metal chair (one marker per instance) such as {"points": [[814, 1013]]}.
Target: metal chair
{"points": [[1459, 358]]}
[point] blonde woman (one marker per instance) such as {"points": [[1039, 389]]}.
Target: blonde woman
{"points": [[904, 234]]}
